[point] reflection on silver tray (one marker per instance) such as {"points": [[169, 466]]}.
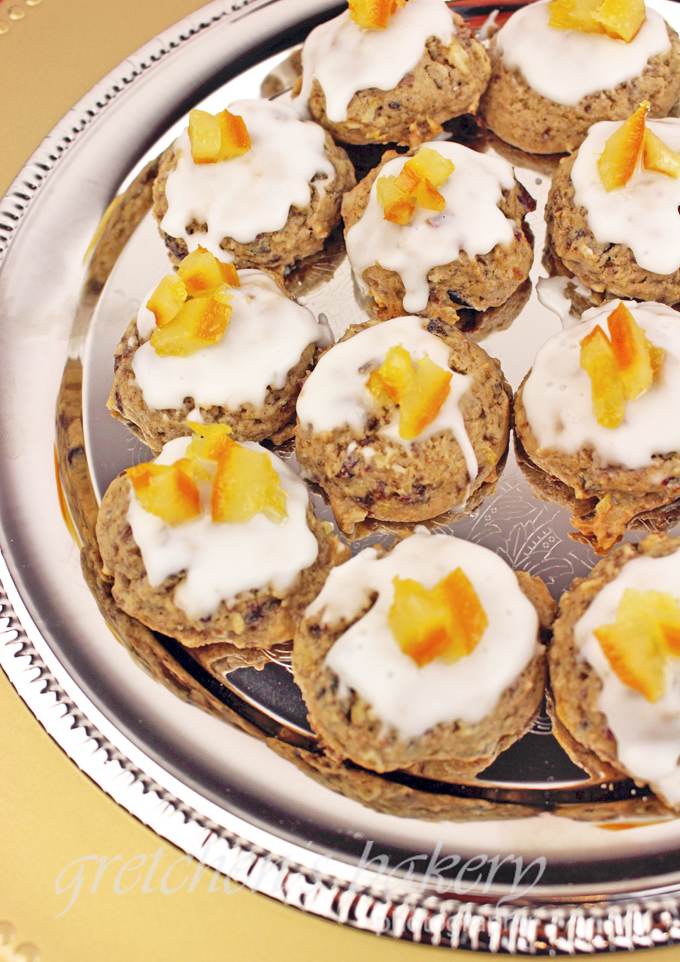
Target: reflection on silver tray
{"points": [[271, 827]]}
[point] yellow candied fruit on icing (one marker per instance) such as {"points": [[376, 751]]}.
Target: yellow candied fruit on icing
{"points": [[246, 483], [447, 621], [373, 14], [618, 19], [658, 156], [167, 491], [622, 151], [638, 643], [637, 360], [217, 137], [597, 359], [167, 299], [420, 392], [209, 441], [398, 207], [416, 184], [199, 323], [201, 271]]}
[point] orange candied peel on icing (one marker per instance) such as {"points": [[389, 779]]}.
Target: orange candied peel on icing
{"points": [[217, 137], [168, 491], [445, 622], [373, 14], [631, 144], [618, 19], [419, 393], [192, 309], [621, 366], [638, 644], [415, 185]]}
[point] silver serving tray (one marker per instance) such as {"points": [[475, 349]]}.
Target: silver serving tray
{"points": [[537, 884]]}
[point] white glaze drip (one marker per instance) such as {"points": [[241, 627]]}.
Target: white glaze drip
{"points": [[252, 194], [344, 58], [335, 393], [368, 659], [647, 734], [472, 222], [265, 337], [558, 397], [643, 215], [222, 560], [567, 65]]}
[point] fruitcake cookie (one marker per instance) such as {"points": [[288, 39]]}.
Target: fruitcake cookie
{"points": [[614, 666], [273, 201], [597, 417], [392, 79], [624, 240], [398, 424], [550, 84], [214, 542], [249, 377], [461, 243], [427, 658]]}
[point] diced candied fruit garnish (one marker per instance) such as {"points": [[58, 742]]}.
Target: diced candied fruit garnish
{"points": [[646, 631], [421, 404], [199, 323], [205, 136], [396, 372], [209, 441], [376, 386], [397, 207], [167, 491], [631, 352], [597, 359], [408, 179], [429, 198], [575, 15], [445, 622], [622, 151], [235, 139], [201, 271], [246, 483], [658, 156], [619, 19], [373, 14], [429, 164], [167, 299]]}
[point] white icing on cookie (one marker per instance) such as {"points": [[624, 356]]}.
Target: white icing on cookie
{"points": [[472, 222], [265, 337], [643, 215], [368, 658], [344, 58], [251, 194], [335, 393], [221, 560], [558, 398], [647, 734], [567, 65]]}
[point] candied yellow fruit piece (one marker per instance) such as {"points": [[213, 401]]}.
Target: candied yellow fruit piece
{"points": [[234, 139], [631, 352], [618, 19], [201, 271], [445, 622], [209, 442], [597, 359], [217, 137], [431, 165], [246, 483], [638, 643], [199, 323], [167, 299], [373, 14], [416, 184], [167, 491], [395, 375], [421, 404], [622, 151], [658, 156], [398, 208]]}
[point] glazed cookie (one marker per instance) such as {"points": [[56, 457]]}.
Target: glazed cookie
{"points": [[392, 85], [608, 474], [356, 440], [384, 675], [473, 253], [244, 578], [614, 669], [269, 207], [249, 379], [624, 241], [549, 86]]}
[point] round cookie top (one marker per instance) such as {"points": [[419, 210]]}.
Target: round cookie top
{"points": [[368, 658], [251, 194], [567, 65], [336, 393], [557, 393], [219, 560], [345, 58], [647, 733], [643, 215], [264, 339], [471, 222]]}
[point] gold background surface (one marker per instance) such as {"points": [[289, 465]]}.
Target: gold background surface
{"points": [[51, 53]]}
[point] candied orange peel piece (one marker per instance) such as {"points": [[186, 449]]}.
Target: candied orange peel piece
{"points": [[637, 645], [618, 19], [447, 621], [200, 322], [201, 271], [419, 392], [167, 299], [415, 185], [168, 491], [631, 144], [217, 137], [374, 14], [246, 483]]}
